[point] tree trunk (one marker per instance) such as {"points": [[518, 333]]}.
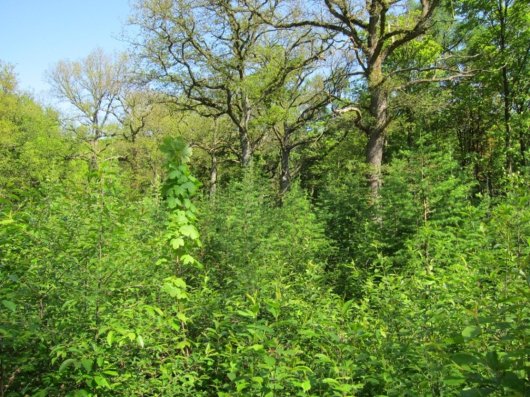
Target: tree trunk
{"points": [[376, 130], [213, 175], [246, 149], [285, 170], [135, 168], [502, 9], [244, 137], [507, 126], [94, 154], [522, 149], [374, 159]]}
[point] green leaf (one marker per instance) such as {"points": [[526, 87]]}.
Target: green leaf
{"points": [[10, 305], [140, 341], [177, 242], [178, 282], [246, 313], [110, 338], [175, 326], [511, 381], [471, 331], [241, 385], [87, 364], [464, 358], [101, 381], [182, 317], [190, 186], [183, 344], [492, 360], [178, 191], [171, 202], [331, 381], [305, 385], [454, 380], [187, 259], [323, 358], [189, 231], [173, 174], [270, 362], [70, 362]]}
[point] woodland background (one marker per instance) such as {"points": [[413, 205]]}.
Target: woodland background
{"points": [[275, 198]]}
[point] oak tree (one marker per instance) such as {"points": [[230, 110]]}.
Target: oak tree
{"points": [[92, 88], [212, 57], [368, 32]]}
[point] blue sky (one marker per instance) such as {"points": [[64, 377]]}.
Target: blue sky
{"points": [[35, 34]]}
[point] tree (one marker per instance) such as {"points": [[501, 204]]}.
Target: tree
{"points": [[498, 41], [92, 87], [142, 116], [32, 150], [297, 120], [213, 137], [369, 33], [8, 78], [212, 57]]}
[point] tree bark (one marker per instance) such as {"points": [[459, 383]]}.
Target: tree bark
{"points": [[213, 175], [285, 170], [502, 9], [246, 148], [374, 159], [376, 129]]}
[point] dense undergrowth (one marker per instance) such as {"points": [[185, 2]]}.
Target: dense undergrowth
{"points": [[273, 261], [107, 295]]}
